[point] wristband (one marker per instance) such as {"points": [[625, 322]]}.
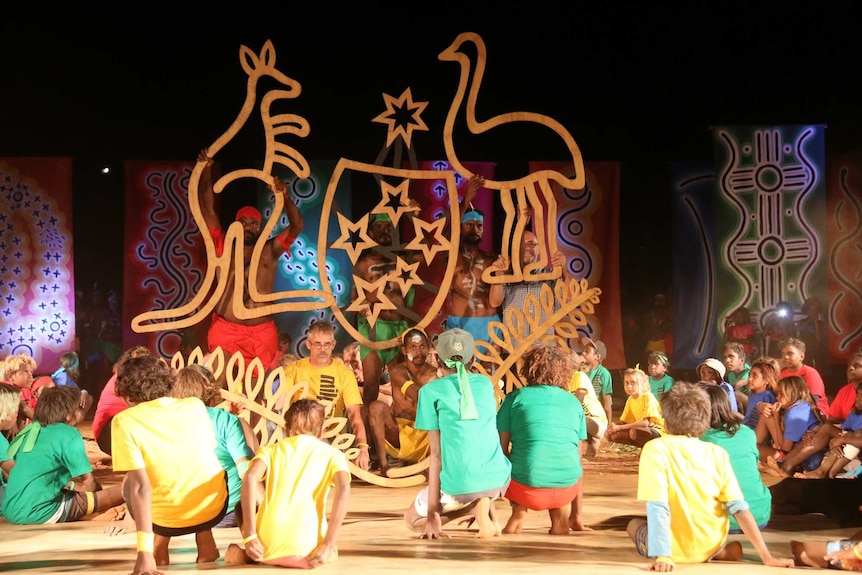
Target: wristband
{"points": [[856, 552], [663, 559], [145, 541], [251, 537], [361, 445]]}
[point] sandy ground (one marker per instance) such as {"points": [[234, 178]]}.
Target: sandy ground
{"points": [[374, 538]]}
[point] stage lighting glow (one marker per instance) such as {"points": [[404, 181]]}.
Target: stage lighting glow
{"points": [[106, 170]]}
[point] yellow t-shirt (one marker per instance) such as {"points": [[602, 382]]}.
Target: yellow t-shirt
{"points": [[291, 519], [644, 406], [695, 480], [335, 382], [173, 439], [592, 407]]}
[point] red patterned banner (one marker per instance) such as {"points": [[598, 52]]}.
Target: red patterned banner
{"points": [[37, 296], [844, 233], [165, 257], [588, 233]]}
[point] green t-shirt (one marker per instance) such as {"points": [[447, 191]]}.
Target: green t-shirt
{"points": [[231, 446], [547, 425], [472, 458], [4, 445], [732, 378], [35, 486], [602, 382], [742, 449], [661, 385]]}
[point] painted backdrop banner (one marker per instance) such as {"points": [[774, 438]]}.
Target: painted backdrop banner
{"points": [[588, 232], [770, 222], [37, 295], [844, 209], [165, 258], [694, 262]]}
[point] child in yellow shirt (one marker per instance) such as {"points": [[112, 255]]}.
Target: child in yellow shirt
{"points": [[641, 420]]}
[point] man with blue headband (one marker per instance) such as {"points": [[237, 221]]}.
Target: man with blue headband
{"points": [[470, 308]]}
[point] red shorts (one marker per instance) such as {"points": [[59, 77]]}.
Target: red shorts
{"points": [[250, 340], [542, 498]]}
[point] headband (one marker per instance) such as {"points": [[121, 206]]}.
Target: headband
{"points": [[249, 212], [408, 330], [380, 218], [472, 216]]}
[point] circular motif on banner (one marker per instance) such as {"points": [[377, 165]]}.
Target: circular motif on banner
{"points": [[18, 196], [304, 188], [55, 326], [788, 148], [769, 178], [580, 264], [569, 227], [746, 149], [577, 194], [770, 250], [23, 348]]}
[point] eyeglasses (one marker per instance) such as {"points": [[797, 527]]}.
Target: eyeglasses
{"points": [[321, 344]]}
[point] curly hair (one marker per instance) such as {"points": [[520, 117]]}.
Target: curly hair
{"points": [[134, 351], [56, 405], [196, 381], [144, 378], [15, 363], [547, 364], [686, 409], [724, 418], [304, 417]]}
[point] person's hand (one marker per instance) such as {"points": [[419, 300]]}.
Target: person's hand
{"points": [[558, 260], [278, 186], [476, 181], [837, 442], [433, 528], [501, 263], [203, 157], [363, 461], [145, 564], [779, 562], [808, 437], [320, 555], [661, 566], [254, 549], [413, 205]]}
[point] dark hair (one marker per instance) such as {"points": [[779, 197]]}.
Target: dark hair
{"points": [[770, 370], [304, 417], [134, 351], [547, 364], [144, 378], [795, 342], [736, 348], [656, 357], [723, 417], [56, 404], [686, 409]]}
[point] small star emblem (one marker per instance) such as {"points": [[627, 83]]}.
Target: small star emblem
{"points": [[402, 116], [426, 234], [405, 275], [354, 238], [371, 299], [395, 202]]}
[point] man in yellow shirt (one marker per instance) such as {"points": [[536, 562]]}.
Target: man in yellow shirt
{"points": [[329, 380]]}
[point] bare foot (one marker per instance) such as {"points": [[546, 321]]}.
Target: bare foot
{"points": [[813, 474], [578, 526], [487, 527], [513, 526], [731, 552], [773, 468], [235, 555], [558, 530], [207, 549]]}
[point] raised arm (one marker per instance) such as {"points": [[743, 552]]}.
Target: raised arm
{"points": [[205, 191], [294, 220]]}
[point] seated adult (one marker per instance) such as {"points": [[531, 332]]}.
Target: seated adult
{"points": [[392, 427]]}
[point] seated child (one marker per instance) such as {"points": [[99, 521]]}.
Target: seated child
{"points": [[782, 426], [10, 398], [51, 480], [843, 554], [18, 371], [641, 420], [845, 399], [68, 374], [545, 425], [232, 448], [762, 379], [284, 496], [659, 380], [726, 430], [597, 419], [467, 469], [690, 489], [737, 373], [174, 483], [110, 404], [711, 372]]}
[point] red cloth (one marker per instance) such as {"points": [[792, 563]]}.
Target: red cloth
{"points": [[109, 405], [542, 498], [250, 340], [815, 385], [218, 239], [844, 401]]}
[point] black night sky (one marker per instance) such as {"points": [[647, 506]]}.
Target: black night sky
{"points": [[639, 83]]}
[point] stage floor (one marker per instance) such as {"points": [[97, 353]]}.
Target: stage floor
{"points": [[374, 538]]}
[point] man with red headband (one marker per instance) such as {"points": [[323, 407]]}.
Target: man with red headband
{"points": [[255, 337]]}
